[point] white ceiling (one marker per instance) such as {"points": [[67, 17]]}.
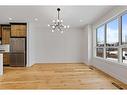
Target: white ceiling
{"points": [[45, 14]]}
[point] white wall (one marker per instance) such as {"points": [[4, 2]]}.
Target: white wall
{"points": [[1, 64], [48, 47], [116, 70], [30, 46], [72, 46], [87, 44]]}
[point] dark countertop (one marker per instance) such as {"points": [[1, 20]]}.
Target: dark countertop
{"points": [[2, 51]]}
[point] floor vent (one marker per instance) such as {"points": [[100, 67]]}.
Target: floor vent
{"points": [[116, 85]]}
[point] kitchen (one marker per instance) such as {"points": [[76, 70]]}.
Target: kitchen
{"points": [[13, 45]]}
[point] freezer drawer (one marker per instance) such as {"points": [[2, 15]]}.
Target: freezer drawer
{"points": [[17, 59]]}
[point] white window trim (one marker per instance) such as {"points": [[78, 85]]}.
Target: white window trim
{"points": [[119, 17]]}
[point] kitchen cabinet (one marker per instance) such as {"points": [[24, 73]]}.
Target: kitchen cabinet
{"points": [[18, 30], [5, 34], [6, 59]]}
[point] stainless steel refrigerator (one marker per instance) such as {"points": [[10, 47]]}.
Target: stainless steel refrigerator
{"points": [[17, 52]]}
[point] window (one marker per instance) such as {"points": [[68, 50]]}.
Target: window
{"points": [[100, 41], [124, 29], [100, 36], [100, 52], [111, 39], [112, 33], [112, 54], [124, 55]]}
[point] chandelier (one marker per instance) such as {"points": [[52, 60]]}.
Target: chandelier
{"points": [[58, 24]]}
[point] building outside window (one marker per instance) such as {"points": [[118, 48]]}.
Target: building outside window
{"points": [[111, 40], [100, 52], [124, 55]]}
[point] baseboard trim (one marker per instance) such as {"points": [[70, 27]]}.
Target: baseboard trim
{"points": [[96, 68], [66, 62], [59, 62]]}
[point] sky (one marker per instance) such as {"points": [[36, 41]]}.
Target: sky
{"points": [[124, 27], [112, 30], [100, 34]]}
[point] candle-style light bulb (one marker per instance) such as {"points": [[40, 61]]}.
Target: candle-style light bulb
{"points": [[68, 26], [53, 20], [61, 20], [58, 20], [53, 26], [65, 26], [52, 30]]}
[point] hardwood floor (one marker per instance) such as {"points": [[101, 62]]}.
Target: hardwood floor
{"points": [[57, 76]]}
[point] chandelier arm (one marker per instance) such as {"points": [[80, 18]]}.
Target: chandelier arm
{"points": [[52, 27], [62, 25], [55, 28], [60, 29]]}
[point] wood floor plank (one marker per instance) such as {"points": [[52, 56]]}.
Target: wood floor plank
{"points": [[57, 76]]}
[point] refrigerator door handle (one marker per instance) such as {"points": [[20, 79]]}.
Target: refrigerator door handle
{"points": [[10, 48]]}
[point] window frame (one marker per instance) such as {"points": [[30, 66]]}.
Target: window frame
{"points": [[121, 27], [104, 35], [106, 31], [119, 47], [122, 55], [103, 52], [117, 51]]}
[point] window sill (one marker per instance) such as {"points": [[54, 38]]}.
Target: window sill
{"points": [[111, 62]]}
